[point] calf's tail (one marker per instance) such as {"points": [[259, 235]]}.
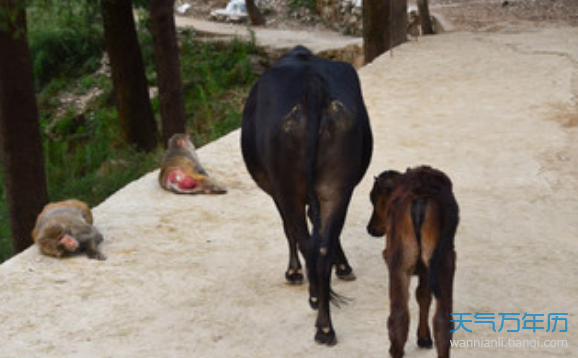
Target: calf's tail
{"points": [[417, 212], [448, 232]]}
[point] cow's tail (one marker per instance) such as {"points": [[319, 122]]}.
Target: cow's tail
{"points": [[448, 232], [315, 101]]}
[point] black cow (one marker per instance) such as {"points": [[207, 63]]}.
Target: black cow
{"points": [[307, 142]]}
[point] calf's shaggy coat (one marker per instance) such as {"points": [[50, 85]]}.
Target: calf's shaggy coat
{"points": [[419, 215]]}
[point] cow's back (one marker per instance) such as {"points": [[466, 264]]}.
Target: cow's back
{"points": [[276, 121]]}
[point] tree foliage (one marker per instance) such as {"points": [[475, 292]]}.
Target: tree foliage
{"points": [[65, 38]]}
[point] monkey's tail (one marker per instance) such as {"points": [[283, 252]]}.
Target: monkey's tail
{"points": [[448, 232]]}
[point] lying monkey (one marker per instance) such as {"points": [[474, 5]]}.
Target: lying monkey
{"points": [[181, 171], [64, 228]]}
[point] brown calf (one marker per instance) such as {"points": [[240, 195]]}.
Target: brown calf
{"points": [[419, 215]]}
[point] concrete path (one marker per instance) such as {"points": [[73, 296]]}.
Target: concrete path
{"points": [[202, 276]]}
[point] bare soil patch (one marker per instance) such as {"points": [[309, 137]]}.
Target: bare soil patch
{"points": [[462, 15], [498, 15]]}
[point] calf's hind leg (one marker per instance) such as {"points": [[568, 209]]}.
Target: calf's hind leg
{"points": [[423, 296], [442, 318], [398, 322]]}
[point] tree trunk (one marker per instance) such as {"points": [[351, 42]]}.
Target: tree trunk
{"points": [[425, 18], [384, 26], [376, 38], [21, 143], [128, 75], [255, 15], [168, 65], [398, 22]]}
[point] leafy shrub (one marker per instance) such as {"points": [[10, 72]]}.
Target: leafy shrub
{"points": [[308, 4], [64, 39], [212, 75]]}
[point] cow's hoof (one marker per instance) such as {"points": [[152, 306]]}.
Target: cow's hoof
{"points": [[345, 273], [326, 336], [424, 343], [294, 277], [314, 303]]}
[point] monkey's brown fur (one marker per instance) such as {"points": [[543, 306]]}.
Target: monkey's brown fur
{"points": [[71, 219], [418, 213], [181, 171]]}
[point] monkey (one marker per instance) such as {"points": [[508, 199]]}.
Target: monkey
{"points": [[181, 171], [414, 23], [65, 228], [414, 28]]}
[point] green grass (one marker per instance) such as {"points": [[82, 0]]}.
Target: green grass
{"points": [[84, 155], [309, 4], [216, 77], [5, 243], [64, 38]]}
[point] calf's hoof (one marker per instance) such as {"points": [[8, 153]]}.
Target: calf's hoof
{"points": [[424, 343], [345, 273], [294, 277], [326, 336]]}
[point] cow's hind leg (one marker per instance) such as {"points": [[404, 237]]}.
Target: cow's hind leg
{"points": [[423, 295], [294, 274], [325, 333], [332, 219], [295, 226], [342, 268], [442, 318]]}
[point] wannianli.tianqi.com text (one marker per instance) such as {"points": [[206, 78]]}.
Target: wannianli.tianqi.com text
{"points": [[501, 342]]}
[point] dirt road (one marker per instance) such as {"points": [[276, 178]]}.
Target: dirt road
{"points": [[203, 277], [320, 40]]}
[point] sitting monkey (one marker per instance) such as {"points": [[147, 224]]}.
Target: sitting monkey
{"points": [[64, 228], [181, 171], [413, 23]]}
